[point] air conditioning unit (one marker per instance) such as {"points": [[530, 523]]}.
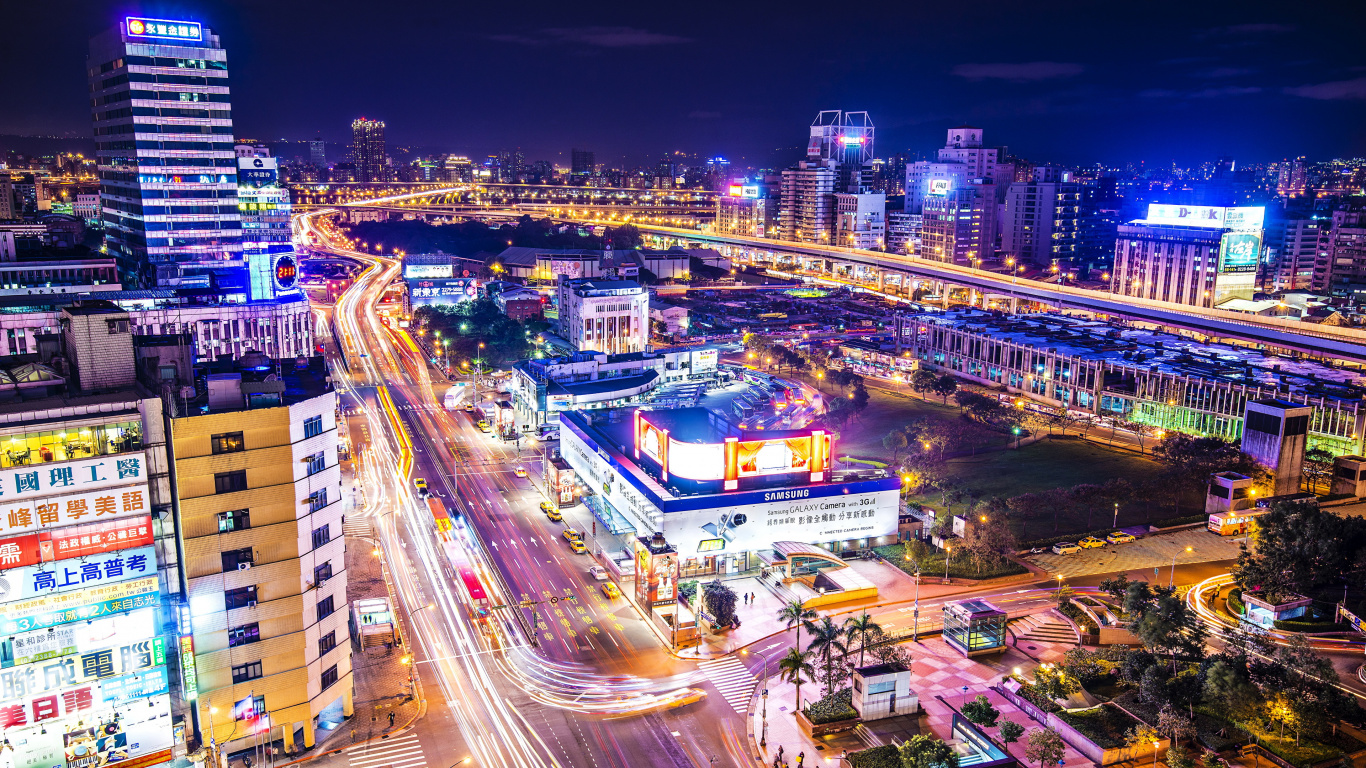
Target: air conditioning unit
{"points": [[251, 603], [244, 566]]}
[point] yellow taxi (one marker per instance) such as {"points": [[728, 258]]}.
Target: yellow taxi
{"points": [[1091, 542], [570, 534], [519, 471], [554, 515], [1120, 537], [611, 590], [577, 547], [546, 507]]}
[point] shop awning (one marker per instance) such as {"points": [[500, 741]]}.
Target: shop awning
{"points": [[615, 522]]}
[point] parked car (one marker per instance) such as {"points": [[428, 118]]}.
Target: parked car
{"points": [[577, 546], [1091, 542], [572, 535], [1065, 548], [598, 572], [546, 507], [611, 590], [1120, 537], [554, 515]]}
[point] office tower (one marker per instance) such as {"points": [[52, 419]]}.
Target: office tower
{"points": [[1202, 256], [317, 153], [511, 162], [963, 163], [904, 231], [259, 495], [457, 169], [581, 163], [267, 239], [367, 150], [1345, 274], [1292, 179], [1296, 246], [1042, 218], [954, 225], [748, 209], [163, 137]]}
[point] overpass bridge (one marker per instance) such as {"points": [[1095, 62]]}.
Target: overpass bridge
{"points": [[470, 200], [897, 275]]}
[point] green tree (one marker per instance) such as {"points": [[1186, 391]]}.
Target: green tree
{"points": [[625, 238], [944, 386], [1142, 735], [895, 441], [859, 628], [719, 601], [926, 751], [794, 668], [794, 614], [1178, 757], [1010, 732], [1055, 683], [1191, 460], [922, 381], [827, 640], [990, 541], [1174, 724], [1300, 547], [1168, 626], [1045, 747], [980, 712]]}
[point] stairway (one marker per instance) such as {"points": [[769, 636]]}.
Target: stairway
{"points": [[1043, 628]]}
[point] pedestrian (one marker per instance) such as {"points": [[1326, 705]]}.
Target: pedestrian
{"points": [[801, 758], [780, 751], [391, 719]]}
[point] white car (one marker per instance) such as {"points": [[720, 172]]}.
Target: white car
{"points": [[598, 572], [1065, 548]]}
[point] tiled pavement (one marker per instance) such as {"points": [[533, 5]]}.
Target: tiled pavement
{"points": [[1152, 551]]}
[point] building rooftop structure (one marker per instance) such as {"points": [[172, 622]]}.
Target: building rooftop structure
{"points": [[1170, 353]]}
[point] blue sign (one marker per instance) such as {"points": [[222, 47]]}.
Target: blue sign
{"points": [[66, 575], [166, 29]]}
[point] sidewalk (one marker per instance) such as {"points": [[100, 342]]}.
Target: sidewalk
{"points": [[759, 620]]}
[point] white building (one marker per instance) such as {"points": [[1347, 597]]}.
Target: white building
{"points": [[611, 316], [543, 388], [860, 220], [1189, 254], [674, 318], [1297, 248], [962, 159], [87, 206]]}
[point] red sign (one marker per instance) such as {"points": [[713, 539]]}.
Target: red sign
{"points": [[94, 538], [75, 541]]}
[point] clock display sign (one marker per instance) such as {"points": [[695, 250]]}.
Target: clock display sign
{"points": [[286, 273]]}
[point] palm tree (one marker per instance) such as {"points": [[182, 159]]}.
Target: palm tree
{"points": [[794, 613], [793, 666], [860, 627], [825, 641]]}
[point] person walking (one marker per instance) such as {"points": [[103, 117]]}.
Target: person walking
{"points": [[801, 758]]}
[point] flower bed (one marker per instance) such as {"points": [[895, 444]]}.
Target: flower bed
{"points": [[1105, 725], [833, 708]]}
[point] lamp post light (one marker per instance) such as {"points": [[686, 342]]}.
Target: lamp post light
{"points": [[1115, 523], [948, 554], [763, 732], [1172, 580]]}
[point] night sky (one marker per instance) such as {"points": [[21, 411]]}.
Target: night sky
{"points": [[1065, 82]]}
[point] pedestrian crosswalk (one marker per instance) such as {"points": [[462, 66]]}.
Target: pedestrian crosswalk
{"points": [[356, 525], [732, 680], [398, 752]]}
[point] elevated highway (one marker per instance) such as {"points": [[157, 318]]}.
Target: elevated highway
{"points": [[892, 274]]}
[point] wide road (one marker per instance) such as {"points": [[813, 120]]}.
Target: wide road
{"points": [[512, 704]]}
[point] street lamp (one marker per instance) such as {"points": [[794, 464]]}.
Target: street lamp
{"points": [[1172, 580], [948, 554], [763, 733], [1115, 523]]}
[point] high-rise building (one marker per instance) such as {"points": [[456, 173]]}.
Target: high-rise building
{"points": [[163, 133], [582, 163], [259, 493], [903, 232], [317, 153], [1292, 179], [1202, 256], [367, 150], [747, 209], [954, 223], [1297, 247], [933, 189], [861, 220], [1346, 263], [458, 169], [267, 239], [1042, 218], [806, 211]]}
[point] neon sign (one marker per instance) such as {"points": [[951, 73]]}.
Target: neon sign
{"points": [[164, 28]]}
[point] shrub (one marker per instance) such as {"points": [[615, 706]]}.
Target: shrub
{"points": [[1034, 696], [885, 756], [1076, 614], [1235, 602], [1105, 725], [837, 706]]}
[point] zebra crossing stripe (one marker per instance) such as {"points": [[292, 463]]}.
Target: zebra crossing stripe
{"points": [[403, 752], [731, 679]]}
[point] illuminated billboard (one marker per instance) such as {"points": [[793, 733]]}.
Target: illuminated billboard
{"points": [[437, 271], [79, 605], [75, 541], [940, 186], [80, 637], [90, 571], [1207, 216], [166, 29], [427, 292], [1240, 251], [73, 476], [257, 171], [731, 458]]}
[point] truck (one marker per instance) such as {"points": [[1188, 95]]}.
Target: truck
{"points": [[458, 395]]}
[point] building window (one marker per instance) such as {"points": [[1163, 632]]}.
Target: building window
{"points": [[229, 442], [242, 597], [244, 635], [329, 676], [322, 535], [322, 573], [313, 426], [327, 642], [236, 520], [317, 463], [246, 672], [237, 559], [227, 482], [317, 500], [325, 608]]}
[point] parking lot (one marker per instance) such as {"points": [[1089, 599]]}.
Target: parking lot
{"points": [[1152, 551]]}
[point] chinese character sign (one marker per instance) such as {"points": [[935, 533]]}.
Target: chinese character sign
{"points": [[67, 575], [46, 677], [73, 476], [38, 513], [94, 538]]}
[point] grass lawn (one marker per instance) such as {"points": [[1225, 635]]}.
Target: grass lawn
{"points": [[932, 564], [1308, 752]]}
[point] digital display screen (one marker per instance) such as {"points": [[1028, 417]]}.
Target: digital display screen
{"points": [[1239, 251]]}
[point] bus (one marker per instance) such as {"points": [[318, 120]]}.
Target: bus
{"points": [[479, 599], [441, 518], [782, 395], [1234, 523]]}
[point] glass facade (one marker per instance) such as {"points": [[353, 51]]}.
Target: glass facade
{"points": [[974, 627], [68, 443]]}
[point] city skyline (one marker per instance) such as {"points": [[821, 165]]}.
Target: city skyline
{"points": [[1067, 85]]}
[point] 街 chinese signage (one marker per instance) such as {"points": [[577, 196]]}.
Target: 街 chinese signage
{"points": [[92, 571]]}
